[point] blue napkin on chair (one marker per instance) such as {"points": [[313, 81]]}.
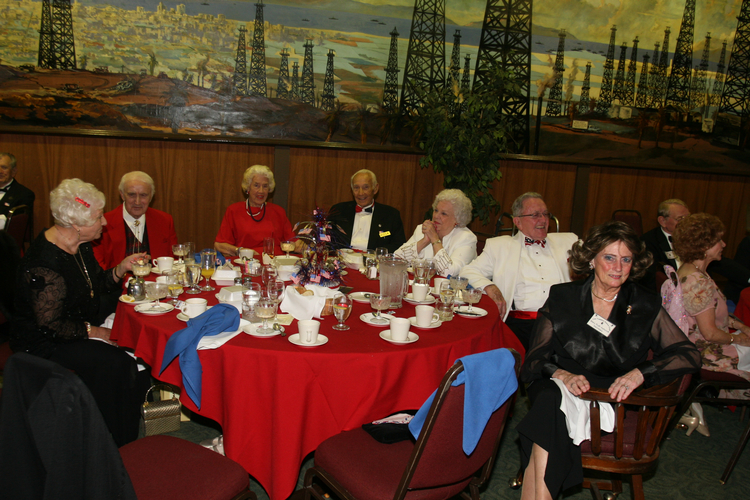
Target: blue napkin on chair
{"points": [[184, 343], [490, 380]]}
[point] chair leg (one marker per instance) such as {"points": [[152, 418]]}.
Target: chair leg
{"points": [[637, 482], [736, 454]]}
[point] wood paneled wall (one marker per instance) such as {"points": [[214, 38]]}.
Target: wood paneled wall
{"points": [[196, 181]]}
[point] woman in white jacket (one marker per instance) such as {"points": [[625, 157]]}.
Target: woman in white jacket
{"points": [[445, 239]]}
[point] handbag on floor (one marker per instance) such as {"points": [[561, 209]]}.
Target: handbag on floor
{"points": [[160, 417]]}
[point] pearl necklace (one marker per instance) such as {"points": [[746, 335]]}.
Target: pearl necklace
{"points": [[602, 298]]}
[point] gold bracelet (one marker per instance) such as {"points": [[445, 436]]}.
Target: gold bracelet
{"points": [[731, 339], [88, 328]]}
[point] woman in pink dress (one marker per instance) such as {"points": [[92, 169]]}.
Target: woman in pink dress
{"points": [[697, 243]]}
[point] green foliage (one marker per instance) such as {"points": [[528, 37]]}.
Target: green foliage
{"points": [[464, 137]]}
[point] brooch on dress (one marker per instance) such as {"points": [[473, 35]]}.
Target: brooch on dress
{"points": [[629, 310]]}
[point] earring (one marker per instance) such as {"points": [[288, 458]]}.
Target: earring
{"points": [[79, 233], [591, 265]]}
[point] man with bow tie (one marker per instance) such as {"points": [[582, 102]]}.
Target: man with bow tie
{"points": [[134, 227], [366, 224], [12, 193], [516, 272]]}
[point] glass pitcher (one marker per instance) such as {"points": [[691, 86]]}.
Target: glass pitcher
{"points": [[394, 279]]}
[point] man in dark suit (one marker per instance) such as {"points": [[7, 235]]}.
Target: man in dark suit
{"points": [[366, 224], [659, 242], [12, 193]]}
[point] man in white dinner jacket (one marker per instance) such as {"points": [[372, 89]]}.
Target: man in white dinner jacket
{"points": [[516, 272]]}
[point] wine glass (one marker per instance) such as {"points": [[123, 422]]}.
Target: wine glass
{"points": [[208, 267], [379, 303], [380, 252], [342, 306], [276, 290], [189, 252], [175, 287], [287, 246], [471, 296], [180, 251], [193, 276], [265, 309], [268, 274], [446, 292]]}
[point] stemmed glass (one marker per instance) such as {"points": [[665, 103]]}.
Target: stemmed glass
{"points": [[471, 296], [380, 252], [180, 251], [276, 290], [287, 246], [431, 269], [189, 252], [193, 275], [446, 292], [379, 303], [265, 309], [267, 275], [342, 306], [419, 266], [208, 267], [175, 287], [459, 283]]}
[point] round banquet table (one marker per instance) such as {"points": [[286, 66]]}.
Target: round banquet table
{"points": [[276, 402]]}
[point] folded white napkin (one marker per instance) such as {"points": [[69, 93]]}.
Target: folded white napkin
{"points": [[306, 307], [744, 354], [216, 341], [578, 415]]}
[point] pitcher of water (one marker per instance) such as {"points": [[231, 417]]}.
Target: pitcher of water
{"points": [[394, 279]]}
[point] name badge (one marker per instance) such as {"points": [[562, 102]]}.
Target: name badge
{"points": [[601, 325], [670, 255], [383, 234]]}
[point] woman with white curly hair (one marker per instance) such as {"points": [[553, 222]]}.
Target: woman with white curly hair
{"points": [[445, 239], [62, 295], [246, 224]]}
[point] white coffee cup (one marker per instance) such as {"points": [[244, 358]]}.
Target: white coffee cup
{"points": [[426, 315], [419, 291], [195, 307], [400, 329], [308, 331], [247, 253], [164, 263], [436, 283]]}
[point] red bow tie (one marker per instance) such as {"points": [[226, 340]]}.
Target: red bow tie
{"points": [[530, 241], [358, 209]]}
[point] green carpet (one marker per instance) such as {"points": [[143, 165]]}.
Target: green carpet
{"points": [[689, 467]]}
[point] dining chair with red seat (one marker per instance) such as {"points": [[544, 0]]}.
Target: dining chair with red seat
{"points": [[54, 444], [353, 465], [632, 448]]}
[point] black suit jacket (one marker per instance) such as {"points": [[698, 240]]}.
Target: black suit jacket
{"points": [[17, 194], [386, 229], [658, 245]]}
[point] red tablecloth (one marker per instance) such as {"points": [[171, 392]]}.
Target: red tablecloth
{"points": [[276, 402], [742, 311]]}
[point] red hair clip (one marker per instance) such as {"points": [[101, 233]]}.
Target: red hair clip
{"points": [[82, 202]]}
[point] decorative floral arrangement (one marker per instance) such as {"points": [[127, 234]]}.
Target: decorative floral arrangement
{"points": [[320, 263]]}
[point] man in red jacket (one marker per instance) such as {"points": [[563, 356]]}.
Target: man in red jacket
{"points": [[134, 227]]}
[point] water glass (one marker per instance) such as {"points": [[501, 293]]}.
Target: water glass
{"points": [[208, 267], [276, 290], [444, 309], [189, 252], [379, 303], [265, 309], [250, 297], [193, 276], [267, 275], [342, 306]]}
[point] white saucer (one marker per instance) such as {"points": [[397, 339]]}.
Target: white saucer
{"points": [[240, 262], [154, 310], [361, 297], [428, 300], [386, 335], [476, 312], [252, 329], [368, 317], [183, 317], [294, 339], [434, 324], [175, 267], [134, 302]]}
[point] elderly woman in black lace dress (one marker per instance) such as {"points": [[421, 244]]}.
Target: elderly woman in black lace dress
{"points": [[62, 295]]}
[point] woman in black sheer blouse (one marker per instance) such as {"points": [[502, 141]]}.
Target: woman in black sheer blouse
{"points": [[595, 332], [62, 295]]}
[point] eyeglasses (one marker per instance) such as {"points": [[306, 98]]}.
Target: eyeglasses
{"points": [[537, 215]]}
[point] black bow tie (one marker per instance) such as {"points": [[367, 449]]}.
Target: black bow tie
{"points": [[359, 209], [530, 241], [5, 189]]}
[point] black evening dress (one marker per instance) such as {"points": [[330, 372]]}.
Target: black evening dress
{"points": [[562, 339], [53, 301]]}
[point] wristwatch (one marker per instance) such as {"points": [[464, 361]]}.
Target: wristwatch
{"points": [[88, 328]]}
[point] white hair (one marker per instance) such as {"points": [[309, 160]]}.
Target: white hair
{"points": [[75, 202], [373, 179], [461, 205], [261, 170], [137, 176], [517, 207]]}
